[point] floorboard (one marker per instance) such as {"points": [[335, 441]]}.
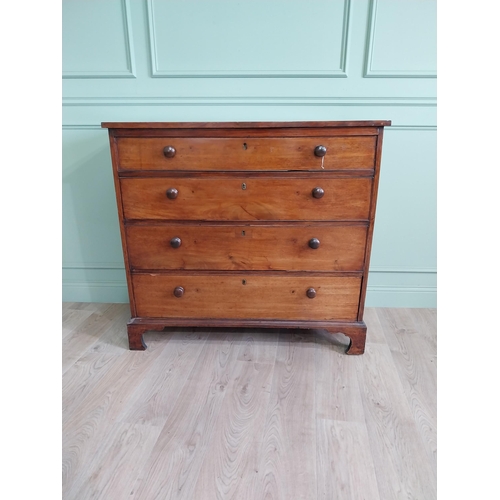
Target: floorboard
{"points": [[248, 414]]}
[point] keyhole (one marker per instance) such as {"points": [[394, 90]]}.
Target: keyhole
{"points": [[242, 233], [243, 186], [244, 145], [244, 282]]}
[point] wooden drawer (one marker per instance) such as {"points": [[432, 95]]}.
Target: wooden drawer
{"points": [[246, 296], [242, 198], [247, 247], [251, 153]]}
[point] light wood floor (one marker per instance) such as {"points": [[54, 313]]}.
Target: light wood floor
{"points": [[248, 414]]}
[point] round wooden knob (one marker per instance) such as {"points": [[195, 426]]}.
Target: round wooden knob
{"points": [[169, 151], [318, 192], [311, 293], [320, 151], [314, 243], [172, 193], [175, 242], [178, 291]]}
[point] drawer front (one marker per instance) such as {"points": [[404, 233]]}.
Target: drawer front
{"points": [[252, 153], [246, 296], [246, 198], [309, 247]]}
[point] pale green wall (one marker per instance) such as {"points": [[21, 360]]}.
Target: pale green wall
{"points": [[198, 60]]}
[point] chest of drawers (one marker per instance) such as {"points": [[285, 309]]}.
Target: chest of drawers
{"points": [[247, 224]]}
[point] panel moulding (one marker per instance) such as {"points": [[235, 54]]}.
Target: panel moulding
{"points": [[249, 101], [94, 265], [130, 72], [386, 73], [161, 73], [377, 296]]}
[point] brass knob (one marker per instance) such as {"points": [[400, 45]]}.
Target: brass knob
{"points": [[172, 193], [311, 293], [178, 291], [176, 242], [313, 243], [169, 151], [320, 151], [318, 192]]}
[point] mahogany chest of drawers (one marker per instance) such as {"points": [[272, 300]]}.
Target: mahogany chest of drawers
{"points": [[247, 224]]}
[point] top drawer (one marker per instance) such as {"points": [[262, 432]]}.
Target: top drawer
{"points": [[252, 153]]}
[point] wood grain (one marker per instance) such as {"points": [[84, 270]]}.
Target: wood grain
{"points": [[113, 472], [258, 345], [401, 464], [344, 461], [371, 226], [72, 318], [236, 125], [250, 247], [395, 331], [247, 153], [87, 334], [283, 132], [233, 457], [287, 459], [66, 306], [89, 423], [154, 398], [82, 377], [415, 362], [271, 198], [265, 296], [119, 205], [250, 413], [337, 388], [425, 322], [211, 174], [177, 457], [375, 330], [114, 338]]}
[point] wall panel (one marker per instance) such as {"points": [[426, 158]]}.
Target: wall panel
{"points": [[97, 39], [402, 39], [227, 39]]}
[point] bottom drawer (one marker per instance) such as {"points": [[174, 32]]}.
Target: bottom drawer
{"points": [[246, 296]]}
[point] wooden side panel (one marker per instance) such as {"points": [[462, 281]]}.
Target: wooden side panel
{"points": [[247, 247], [369, 237], [240, 198], [121, 217], [246, 296], [247, 153]]}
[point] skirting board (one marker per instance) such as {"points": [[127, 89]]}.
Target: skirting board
{"points": [[377, 296]]}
